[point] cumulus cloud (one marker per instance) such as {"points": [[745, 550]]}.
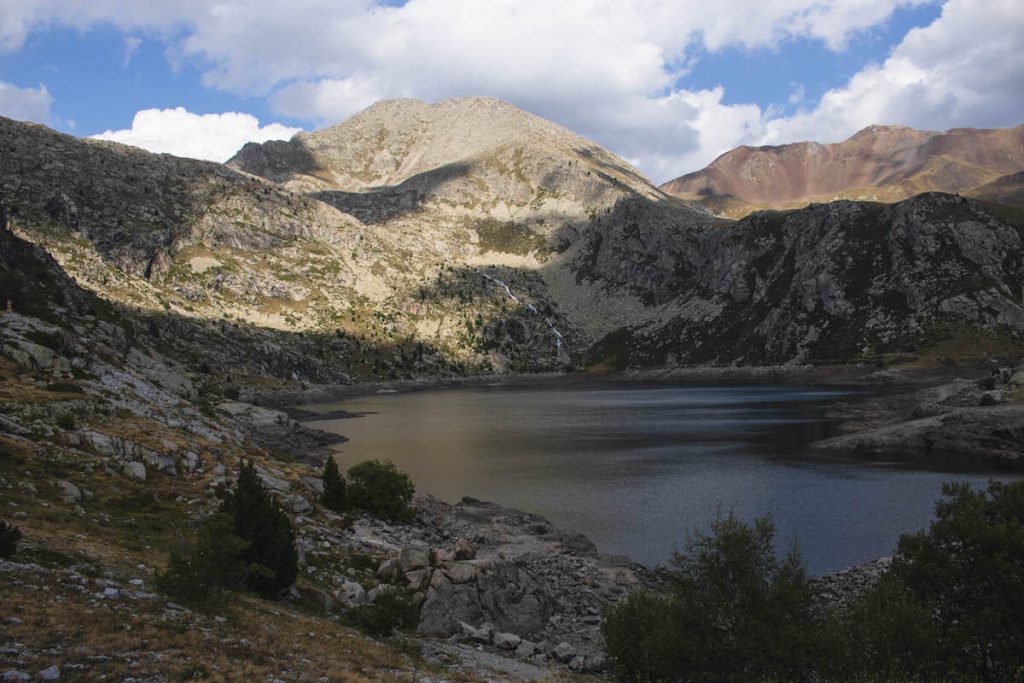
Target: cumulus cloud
{"points": [[25, 104], [214, 137], [605, 68], [328, 100]]}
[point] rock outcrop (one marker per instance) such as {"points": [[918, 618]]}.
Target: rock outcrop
{"points": [[468, 237]]}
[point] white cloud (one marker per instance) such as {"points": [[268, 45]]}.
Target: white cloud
{"points": [[964, 69], [606, 68], [25, 104], [327, 100], [214, 137], [131, 46]]}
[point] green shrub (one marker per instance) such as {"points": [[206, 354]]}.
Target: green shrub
{"points": [[334, 496], [9, 537], [732, 611], [966, 572], [381, 489], [392, 611], [888, 634], [64, 388], [270, 555], [66, 421], [203, 572]]}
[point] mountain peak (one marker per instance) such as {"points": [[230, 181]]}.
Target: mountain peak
{"points": [[468, 151], [878, 163]]}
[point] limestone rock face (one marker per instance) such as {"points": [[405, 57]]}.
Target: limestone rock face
{"points": [[501, 593], [832, 282]]}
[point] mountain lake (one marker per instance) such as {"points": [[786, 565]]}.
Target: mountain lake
{"points": [[638, 466]]}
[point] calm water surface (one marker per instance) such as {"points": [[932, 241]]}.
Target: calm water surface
{"points": [[635, 467]]}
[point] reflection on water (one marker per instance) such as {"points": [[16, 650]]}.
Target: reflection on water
{"points": [[636, 467]]}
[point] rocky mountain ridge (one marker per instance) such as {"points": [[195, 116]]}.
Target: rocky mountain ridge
{"points": [[879, 163], [541, 252]]}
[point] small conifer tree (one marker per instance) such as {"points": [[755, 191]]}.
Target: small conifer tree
{"points": [[335, 494], [259, 520], [9, 537]]}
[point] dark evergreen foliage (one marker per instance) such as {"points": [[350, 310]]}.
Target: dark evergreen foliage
{"points": [[9, 537], [203, 572], [381, 489], [950, 608], [271, 557], [335, 495], [733, 611]]}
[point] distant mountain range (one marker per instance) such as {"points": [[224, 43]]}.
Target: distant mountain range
{"points": [[880, 163], [470, 237]]}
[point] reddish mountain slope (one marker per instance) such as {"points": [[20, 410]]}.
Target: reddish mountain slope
{"points": [[885, 163]]}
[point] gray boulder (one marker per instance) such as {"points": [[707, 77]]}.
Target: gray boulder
{"points": [[351, 593], [563, 652], [506, 641], [72, 493], [414, 557], [135, 470]]}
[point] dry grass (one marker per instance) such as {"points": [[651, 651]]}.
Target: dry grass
{"points": [[91, 638]]}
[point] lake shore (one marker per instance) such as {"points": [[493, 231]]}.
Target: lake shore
{"points": [[931, 415]]}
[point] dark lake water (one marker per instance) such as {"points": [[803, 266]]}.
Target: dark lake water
{"points": [[636, 467]]}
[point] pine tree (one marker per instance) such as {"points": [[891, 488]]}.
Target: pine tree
{"points": [[334, 496], [9, 537], [259, 520]]}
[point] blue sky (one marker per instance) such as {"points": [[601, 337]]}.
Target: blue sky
{"points": [[668, 86]]}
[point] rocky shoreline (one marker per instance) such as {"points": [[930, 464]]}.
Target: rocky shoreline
{"points": [[961, 423]]}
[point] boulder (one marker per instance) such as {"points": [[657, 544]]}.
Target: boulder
{"points": [[135, 470], [72, 493], [315, 598], [190, 461], [506, 641], [274, 483], [580, 544], [417, 578], [297, 504], [464, 550], [526, 649], [50, 673], [351, 593], [413, 557], [563, 652], [387, 571], [482, 635]]}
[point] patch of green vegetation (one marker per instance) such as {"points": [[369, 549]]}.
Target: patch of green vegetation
{"points": [[64, 388], [392, 611], [508, 237], [51, 340], [949, 609]]}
